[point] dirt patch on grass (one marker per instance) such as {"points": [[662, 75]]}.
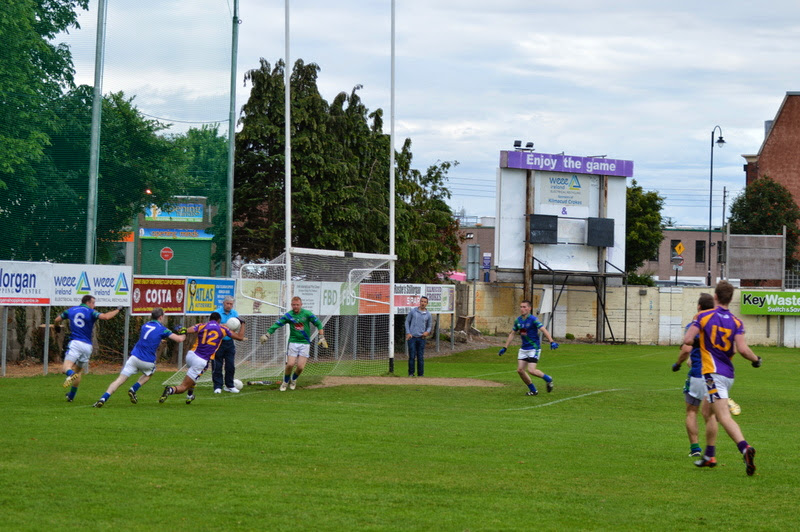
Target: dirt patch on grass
{"points": [[328, 382]]}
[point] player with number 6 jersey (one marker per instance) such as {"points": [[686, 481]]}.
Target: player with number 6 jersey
{"points": [[81, 325], [209, 338], [143, 356]]}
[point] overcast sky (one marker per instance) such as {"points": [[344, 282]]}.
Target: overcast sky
{"points": [[640, 81]]}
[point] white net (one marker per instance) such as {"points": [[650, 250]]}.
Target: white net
{"points": [[349, 293]]}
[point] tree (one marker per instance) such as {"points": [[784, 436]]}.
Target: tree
{"points": [[340, 173], [643, 226], [763, 208]]}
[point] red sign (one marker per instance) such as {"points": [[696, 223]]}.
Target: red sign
{"points": [[167, 253], [151, 292], [374, 299]]}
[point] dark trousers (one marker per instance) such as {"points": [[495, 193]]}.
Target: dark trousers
{"points": [[226, 356], [416, 350]]}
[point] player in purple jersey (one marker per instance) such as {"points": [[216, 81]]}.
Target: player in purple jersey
{"points": [[81, 324], [143, 356], [721, 334], [528, 327], [695, 388], [209, 338]]}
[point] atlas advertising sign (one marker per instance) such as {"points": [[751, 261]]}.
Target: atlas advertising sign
{"points": [[25, 283], [110, 285], [526, 160], [771, 303], [150, 292], [205, 294]]}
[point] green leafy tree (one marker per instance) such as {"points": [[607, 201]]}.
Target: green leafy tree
{"points": [[340, 172], [763, 208], [643, 226]]}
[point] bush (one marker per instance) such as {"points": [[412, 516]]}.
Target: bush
{"points": [[569, 336], [643, 280]]}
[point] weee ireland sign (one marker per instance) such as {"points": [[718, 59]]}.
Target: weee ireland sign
{"points": [[771, 303]]}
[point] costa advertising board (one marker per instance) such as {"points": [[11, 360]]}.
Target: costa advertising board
{"points": [[154, 291], [25, 283]]}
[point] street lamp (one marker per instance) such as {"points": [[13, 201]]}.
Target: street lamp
{"points": [[720, 143]]}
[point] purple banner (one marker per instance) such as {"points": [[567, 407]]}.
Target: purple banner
{"points": [[526, 160]]}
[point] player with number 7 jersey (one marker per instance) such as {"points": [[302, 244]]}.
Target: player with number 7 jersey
{"points": [[209, 339]]}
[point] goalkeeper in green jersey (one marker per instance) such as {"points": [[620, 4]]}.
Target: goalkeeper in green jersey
{"points": [[300, 321]]}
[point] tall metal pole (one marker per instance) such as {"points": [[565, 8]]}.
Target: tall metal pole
{"points": [[391, 202], [287, 77], [94, 145], [232, 138], [720, 142]]}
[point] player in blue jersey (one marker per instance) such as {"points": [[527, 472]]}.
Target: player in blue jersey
{"points": [[143, 356], [695, 388], [209, 339], [528, 327], [721, 334], [81, 324]]}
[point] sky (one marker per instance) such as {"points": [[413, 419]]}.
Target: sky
{"points": [[632, 80]]}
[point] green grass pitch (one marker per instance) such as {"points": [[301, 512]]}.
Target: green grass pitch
{"points": [[606, 450]]}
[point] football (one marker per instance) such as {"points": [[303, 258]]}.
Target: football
{"points": [[236, 382], [734, 407], [233, 324]]}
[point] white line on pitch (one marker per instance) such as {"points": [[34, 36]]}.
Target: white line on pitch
{"points": [[565, 399]]}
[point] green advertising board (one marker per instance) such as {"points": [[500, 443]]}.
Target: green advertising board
{"points": [[770, 303]]}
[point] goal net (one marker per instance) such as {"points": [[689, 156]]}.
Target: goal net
{"points": [[348, 292]]}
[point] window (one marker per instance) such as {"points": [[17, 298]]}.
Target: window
{"points": [[700, 251], [721, 252], [672, 244], [470, 235], [654, 258]]}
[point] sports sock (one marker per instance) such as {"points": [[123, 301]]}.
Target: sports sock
{"points": [[70, 372], [531, 387], [190, 391], [294, 376], [711, 451], [105, 396], [695, 447], [285, 378], [547, 378], [136, 386], [72, 392], [742, 445]]}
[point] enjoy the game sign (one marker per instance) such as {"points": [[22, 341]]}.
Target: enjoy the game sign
{"points": [[771, 303]]}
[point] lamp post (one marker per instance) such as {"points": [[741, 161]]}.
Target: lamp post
{"points": [[720, 143]]}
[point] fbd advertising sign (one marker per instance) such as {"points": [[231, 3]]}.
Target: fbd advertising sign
{"points": [[110, 285]]}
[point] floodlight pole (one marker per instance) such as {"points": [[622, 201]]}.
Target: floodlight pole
{"points": [[94, 142], [720, 143], [231, 139]]}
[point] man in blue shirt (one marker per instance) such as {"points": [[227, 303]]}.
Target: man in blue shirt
{"points": [[143, 356], [528, 327], [418, 328], [81, 324], [226, 355]]}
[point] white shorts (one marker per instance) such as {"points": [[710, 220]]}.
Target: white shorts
{"points": [[135, 365], [298, 350], [717, 386], [79, 353], [697, 390], [531, 356], [197, 365]]}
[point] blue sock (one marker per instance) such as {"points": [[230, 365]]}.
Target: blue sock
{"points": [[294, 376], [136, 386], [547, 378], [70, 373], [711, 451], [105, 396], [285, 378], [72, 392], [742, 445], [531, 387]]}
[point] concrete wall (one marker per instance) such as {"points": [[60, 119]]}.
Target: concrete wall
{"points": [[655, 316]]}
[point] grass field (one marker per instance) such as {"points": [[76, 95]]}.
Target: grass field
{"points": [[606, 450]]}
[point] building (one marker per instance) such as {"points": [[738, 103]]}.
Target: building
{"points": [[478, 231], [778, 156], [692, 268]]}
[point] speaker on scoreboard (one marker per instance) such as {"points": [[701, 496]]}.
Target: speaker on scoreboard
{"points": [[600, 232]]}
